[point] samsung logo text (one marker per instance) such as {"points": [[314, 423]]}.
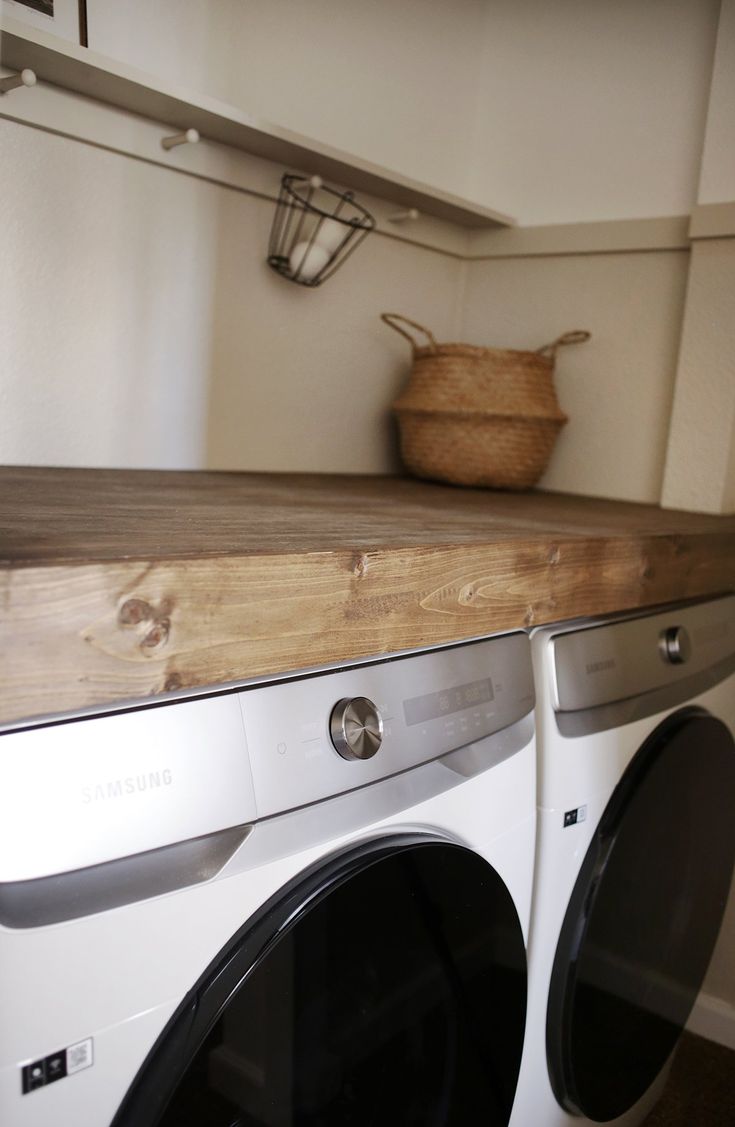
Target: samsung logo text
{"points": [[123, 788], [601, 666]]}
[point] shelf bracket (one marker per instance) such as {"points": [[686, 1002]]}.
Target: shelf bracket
{"points": [[190, 137], [25, 77]]}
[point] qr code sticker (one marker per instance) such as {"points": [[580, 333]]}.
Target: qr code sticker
{"points": [[79, 1056]]}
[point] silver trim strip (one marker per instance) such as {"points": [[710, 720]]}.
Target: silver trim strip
{"points": [[99, 888], [590, 720], [284, 835], [67, 896], [485, 754], [603, 664]]}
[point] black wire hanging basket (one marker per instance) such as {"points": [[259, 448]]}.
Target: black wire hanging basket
{"points": [[315, 230]]}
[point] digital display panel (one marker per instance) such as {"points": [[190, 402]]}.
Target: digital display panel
{"points": [[446, 701]]}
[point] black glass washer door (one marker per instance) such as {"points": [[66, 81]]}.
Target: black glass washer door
{"points": [[643, 918], [386, 988]]}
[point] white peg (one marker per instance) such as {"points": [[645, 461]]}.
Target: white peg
{"points": [[403, 216], [190, 137], [315, 182], [26, 77]]}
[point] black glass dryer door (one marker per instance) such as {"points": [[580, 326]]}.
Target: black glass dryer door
{"points": [[387, 988], [643, 918]]}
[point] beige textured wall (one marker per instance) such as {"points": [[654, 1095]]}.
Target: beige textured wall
{"points": [[303, 379], [700, 471], [618, 388], [551, 112], [592, 110], [728, 494], [700, 465], [141, 326], [105, 299], [392, 82], [717, 182]]}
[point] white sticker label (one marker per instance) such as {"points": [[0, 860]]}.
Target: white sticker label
{"points": [[79, 1056]]}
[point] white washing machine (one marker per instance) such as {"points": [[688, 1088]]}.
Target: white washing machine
{"points": [[302, 902], [635, 846]]}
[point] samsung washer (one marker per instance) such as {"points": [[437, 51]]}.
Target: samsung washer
{"points": [[300, 902], [635, 847]]}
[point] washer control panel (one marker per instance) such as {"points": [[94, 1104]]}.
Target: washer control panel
{"points": [[321, 735], [100, 788], [617, 660]]}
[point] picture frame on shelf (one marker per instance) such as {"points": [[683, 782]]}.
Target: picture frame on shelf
{"points": [[64, 18]]}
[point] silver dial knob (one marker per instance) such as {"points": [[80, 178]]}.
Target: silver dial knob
{"points": [[675, 645], [356, 728]]}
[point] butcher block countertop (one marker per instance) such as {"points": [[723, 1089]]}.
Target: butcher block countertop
{"points": [[120, 585]]}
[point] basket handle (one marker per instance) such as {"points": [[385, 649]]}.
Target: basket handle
{"points": [[391, 318], [578, 336]]}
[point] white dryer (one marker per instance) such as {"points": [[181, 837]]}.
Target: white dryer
{"points": [[635, 848], [302, 902]]}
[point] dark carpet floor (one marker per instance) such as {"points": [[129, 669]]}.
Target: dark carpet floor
{"points": [[701, 1088]]}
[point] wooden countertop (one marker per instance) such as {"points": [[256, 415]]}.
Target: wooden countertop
{"points": [[117, 585]]}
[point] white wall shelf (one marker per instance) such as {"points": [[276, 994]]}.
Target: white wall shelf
{"points": [[84, 72]]}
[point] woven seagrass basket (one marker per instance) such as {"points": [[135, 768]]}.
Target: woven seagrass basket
{"points": [[478, 416]]}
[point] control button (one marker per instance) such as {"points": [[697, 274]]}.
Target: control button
{"points": [[675, 645], [356, 728], [34, 1076], [55, 1066]]}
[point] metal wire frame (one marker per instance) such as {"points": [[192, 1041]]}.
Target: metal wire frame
{"points": [[304, 205]]}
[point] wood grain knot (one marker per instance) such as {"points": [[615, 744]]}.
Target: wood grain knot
{"points": [[157, 635], [172, 682], [152, 624], [360, 565], [135, 611]]}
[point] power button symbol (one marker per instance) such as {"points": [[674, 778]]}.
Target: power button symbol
{"points": [[281, 748]]}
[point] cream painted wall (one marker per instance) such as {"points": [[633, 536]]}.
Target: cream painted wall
{"points": [[389, 81], [728, 493], [700, 464], [717, 183], [104, 307], [141, 326], [301, 379], [701, 446], [617, 389], [592, 110], [553, 113]]}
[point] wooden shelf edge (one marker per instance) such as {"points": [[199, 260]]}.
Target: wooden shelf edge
{"points": [[69, 649], [85, 72], [237, 576]]}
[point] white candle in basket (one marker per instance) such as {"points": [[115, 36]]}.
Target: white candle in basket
{"points": [[331, 234], [306, 261]]}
